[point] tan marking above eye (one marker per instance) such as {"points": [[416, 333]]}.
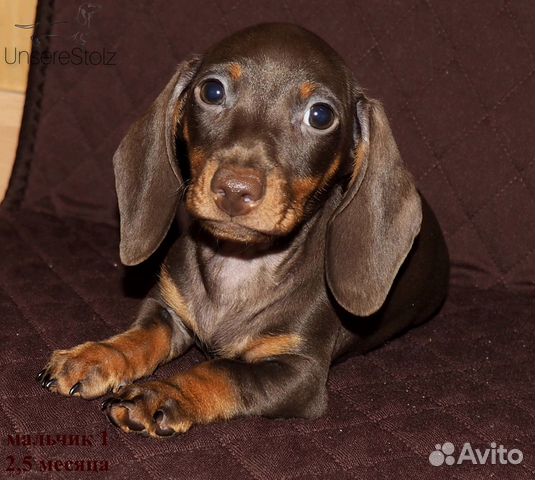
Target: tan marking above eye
{"points": [[307, 89], [235, 71]]}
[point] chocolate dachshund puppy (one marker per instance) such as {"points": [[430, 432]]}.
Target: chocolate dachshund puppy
{"points": [[303, 238]]}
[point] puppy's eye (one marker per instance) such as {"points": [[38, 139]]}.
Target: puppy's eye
{"points": [[212, 92], [319, 116]]}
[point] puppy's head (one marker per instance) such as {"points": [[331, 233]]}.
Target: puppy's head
{"points": [[266, 122]]}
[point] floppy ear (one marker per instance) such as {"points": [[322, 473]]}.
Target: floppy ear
{"points": [[147, 177], [373, 229]]}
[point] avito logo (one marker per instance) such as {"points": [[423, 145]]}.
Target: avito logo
{"points": [[444, 454]]}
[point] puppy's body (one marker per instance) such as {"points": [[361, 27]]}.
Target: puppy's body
{"points": [[303, 238], [237, 293]]}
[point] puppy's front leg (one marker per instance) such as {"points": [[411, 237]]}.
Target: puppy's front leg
{"points": [[91, 369], [284, 386]]}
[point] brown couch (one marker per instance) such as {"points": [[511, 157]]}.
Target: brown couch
{"points": [[457, 81]]}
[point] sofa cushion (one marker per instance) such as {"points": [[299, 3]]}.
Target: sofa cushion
{"points": [[466, 376]]}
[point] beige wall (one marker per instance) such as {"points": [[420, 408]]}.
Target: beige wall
{"points": [[12, 79]]}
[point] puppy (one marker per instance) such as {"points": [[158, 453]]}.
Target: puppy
{"points": [[303, 238]]}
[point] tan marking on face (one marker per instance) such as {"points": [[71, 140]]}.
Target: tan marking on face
{"points": [[272, 208], [174, 299], [361, 152], [197, 160], [271, 216], [235, 71], [331, 172], [199, 198], [185, 131], [207, 394], [279, 212], [177, 116], [303, 188], [271, 346], [306, 90]]}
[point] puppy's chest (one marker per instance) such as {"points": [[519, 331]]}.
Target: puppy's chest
{"points": [[235, 281], [237, 292]]}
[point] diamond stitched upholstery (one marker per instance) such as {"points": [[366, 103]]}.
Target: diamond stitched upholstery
{"points": [[457, 84]]}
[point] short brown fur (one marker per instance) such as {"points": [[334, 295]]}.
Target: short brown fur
{"points": [[174, 298], [360, 154], [311, 253]]}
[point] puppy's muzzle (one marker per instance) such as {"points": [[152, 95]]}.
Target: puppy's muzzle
{"points": [[237, 191]]}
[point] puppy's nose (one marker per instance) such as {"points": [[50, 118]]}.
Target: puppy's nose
{"points": [[237, 190]]}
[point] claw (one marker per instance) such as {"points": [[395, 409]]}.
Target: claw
{"points": [[45, 379], [109, 402], [40, 375], [75, 388], [50, 383], [164, 432], [134, 426]]}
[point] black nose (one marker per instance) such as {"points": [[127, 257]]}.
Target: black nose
{"points": [[237, 190]]}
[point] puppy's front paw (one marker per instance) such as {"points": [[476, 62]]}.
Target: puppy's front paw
{"points": [[150, 409], [88, 370]]}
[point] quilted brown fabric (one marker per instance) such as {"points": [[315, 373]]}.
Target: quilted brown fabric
{"points": [[457, 82]]}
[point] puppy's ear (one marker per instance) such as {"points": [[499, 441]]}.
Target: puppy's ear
{"points": [[147, 176], [373, 229]]}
